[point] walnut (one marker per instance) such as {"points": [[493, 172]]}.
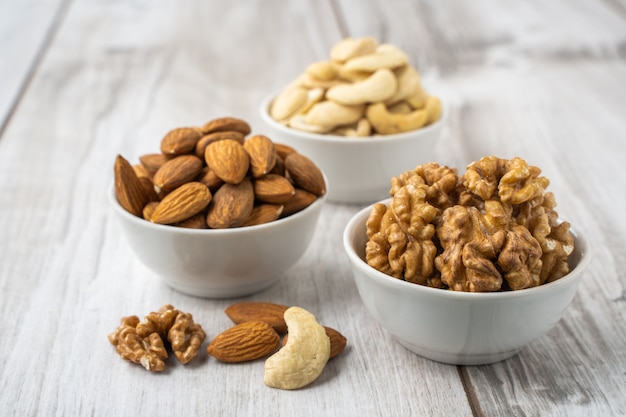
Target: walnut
{"points": [[492, 229], [143, 342]]}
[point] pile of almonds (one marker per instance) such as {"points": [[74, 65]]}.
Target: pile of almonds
{"points": [[215, 176]]}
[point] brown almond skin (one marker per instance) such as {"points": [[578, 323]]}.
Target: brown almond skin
{"points": [[300, 200], [153, 161], [129, 189], [180, 141], [210, 179], [262, 154], [176, 172], [206, 140], [231, 206], [338, 341], [271, 313], [184, 202], [197, 221], [274, 189], [305, 173], [264, 213], [283, 150], [244, 342], [224, 124], [228, 159]]}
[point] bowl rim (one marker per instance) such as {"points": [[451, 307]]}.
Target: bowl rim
{"points": [[389, 281], [264, 111], [286, 221]]}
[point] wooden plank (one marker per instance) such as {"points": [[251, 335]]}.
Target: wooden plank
{"points": [[26, 27]]}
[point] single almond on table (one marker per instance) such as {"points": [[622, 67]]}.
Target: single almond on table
{"points": [[129, 190], [182, 203], [301, 199], [228, 159], [271, 313], [244, 342], [273, 188], [223, 124], [264, 213], [231, 206], [206, 140], [305, 173], [337, 341], [177, 171], [180, 141], [262, 154]]}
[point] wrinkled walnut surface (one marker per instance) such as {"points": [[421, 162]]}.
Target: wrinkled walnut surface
{"points": [[493, 228], [143, 342]]}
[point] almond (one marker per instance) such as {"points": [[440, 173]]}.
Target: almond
{"points": [[228, 159], [262, 154], [180, 141], [141, 171], [177, 171], [149, 209], [152, 162], [264, 213], [148, 189], [128, 187], [305, 173], [197, 221], [271, 313], [206, 140], [210, 179], [300, 200], [244, 342], [283, 150], [223, 124], [337, 341], [273, 188], [182, 203], [231, 206]]}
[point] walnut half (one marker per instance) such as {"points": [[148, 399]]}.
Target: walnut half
{"points": [[143, 342]]}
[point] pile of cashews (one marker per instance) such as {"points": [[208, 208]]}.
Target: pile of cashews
{"points": [[365, 89]]}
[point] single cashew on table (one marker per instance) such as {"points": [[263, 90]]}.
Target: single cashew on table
{"points": [[144, 342], [494, 228], [364, 89]]}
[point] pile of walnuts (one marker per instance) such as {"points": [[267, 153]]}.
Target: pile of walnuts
{"points": [[493, 228]]}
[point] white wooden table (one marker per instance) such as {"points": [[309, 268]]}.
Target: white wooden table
{"points": [[81, 81]]}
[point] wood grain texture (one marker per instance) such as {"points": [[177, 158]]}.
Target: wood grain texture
{"points": [[541, 80]]}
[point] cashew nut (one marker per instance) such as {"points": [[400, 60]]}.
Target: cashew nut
{"points": [[329, 114], [322, 70], [386, 56], [303, 357], [287, 102], [387, 123], [299, 122], [408, 84], [379, 86], [349, 48], [361, 128], [433, 108]]}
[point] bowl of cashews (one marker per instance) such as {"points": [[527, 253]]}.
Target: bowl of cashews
{"points": [[362, 116]]}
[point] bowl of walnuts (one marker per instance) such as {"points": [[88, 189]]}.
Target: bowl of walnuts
{"points": [[218, 212], [363, 116], [466, 269]]}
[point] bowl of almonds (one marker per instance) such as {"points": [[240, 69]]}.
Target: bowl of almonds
{"points": [[363, 116], [468, 268], [218, 212]]}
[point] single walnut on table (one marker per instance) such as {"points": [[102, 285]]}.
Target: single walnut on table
{"points": [[493, 228], [143, 342]]}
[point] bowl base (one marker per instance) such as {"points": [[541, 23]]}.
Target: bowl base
{"points": [[459, 358], [222, 292]]}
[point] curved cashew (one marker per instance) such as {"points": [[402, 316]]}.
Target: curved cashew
{"points": [[329, 114], [287, 102], [299, 122], [408, 84], [304, 357], [417, 100], [379, 86], [386, 56], [322, 70], [433, 108], [387, 123], [349, 48]]}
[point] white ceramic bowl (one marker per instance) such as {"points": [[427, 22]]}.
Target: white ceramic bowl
{"points": [[359, 169], [455, 327], [220, 263]]}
